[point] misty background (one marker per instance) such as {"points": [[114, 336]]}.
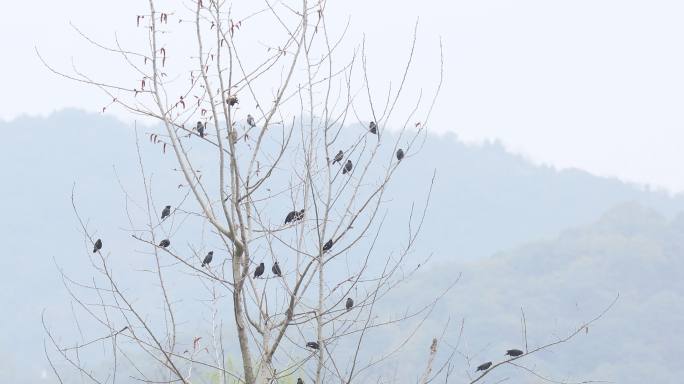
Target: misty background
{"points": [[559, 244], [556, 145]]}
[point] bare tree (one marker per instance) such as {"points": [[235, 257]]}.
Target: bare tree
{"points": [[285, 164]]}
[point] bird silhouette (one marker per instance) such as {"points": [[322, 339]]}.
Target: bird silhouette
{"points": [[166, 212], [373, 128], [349, 304], [484, 367], [347, 167], [338, 157], [250, 121], [207, 258], [290, 217], [200, 128], [165, 243], [327, 245], [312, 345], [300, 381], [276, 269], [400, 154], [294, 216], [514, 352], [232, 100], [259, 270], [98, 246]]}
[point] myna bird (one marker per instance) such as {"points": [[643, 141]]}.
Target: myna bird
{"points": [[327, 245], [98, 246], [165, 243], [166, 212], [200, 128], [338, 157], [349, 304], [250, 121], [514, 352], [276, 269], [259, 270], [347, 167], [400, 154], [207, 258], [373, 128], [312, 345], [484, 367], [290, 217]]}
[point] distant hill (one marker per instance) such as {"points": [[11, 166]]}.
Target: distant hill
{"points": [[560, 283], [485, 200]]}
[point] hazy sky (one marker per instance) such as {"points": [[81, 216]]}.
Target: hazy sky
{"points": [[594, 84]]}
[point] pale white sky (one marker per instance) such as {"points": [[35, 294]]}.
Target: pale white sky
{"points": [[593, 84]]}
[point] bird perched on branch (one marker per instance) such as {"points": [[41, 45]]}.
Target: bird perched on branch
{"points": [[207, 258], [294, 216], [259, 270], [300, 381], [373, 128], [484, 367], [98, 246], [200, 128], [165, 243], [276, 269], [514, 352], [349, 304], [232, 100], [400, 154], [338, 157], [347, 167], [312, 345], [290, 217], [250, 121], [166, 212], [327, 245]]}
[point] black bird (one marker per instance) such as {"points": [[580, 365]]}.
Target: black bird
{"points": [[164, 243], [373, 128], [232, 100], [312, 345], [400, 154], [299, 215], [300, 381], [259, 270], [350, 303], [328, 245], [200, 128], [166, 212], [484, 367], [338, 157], [514, 352], [276, 269], [290, 217], [207, 258], [347, 167], [250, 121], [98, 246]]}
